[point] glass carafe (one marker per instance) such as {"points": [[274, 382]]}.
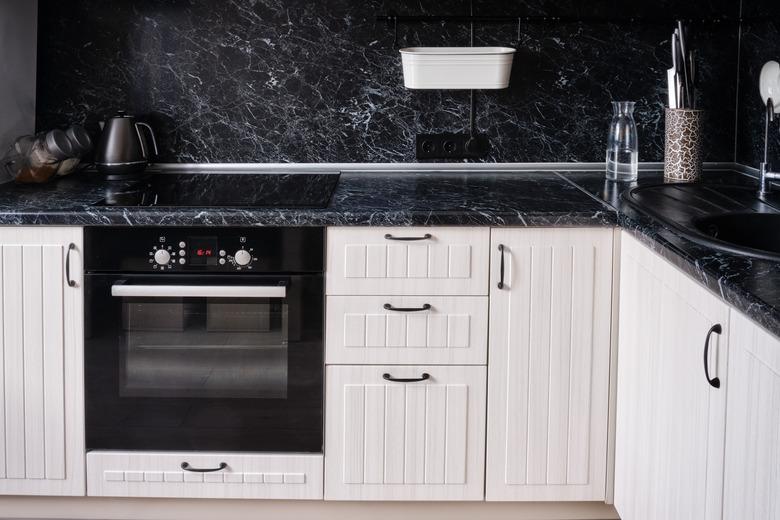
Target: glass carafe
{"points": [[622, 143]]}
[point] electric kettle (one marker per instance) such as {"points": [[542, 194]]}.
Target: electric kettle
{"points": [[123, 151]]}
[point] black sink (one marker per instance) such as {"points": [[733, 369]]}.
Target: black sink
{"points": [[729, 218], [755, 234]]}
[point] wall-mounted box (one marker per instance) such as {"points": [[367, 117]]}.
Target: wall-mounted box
{"points": [[455, 68]]}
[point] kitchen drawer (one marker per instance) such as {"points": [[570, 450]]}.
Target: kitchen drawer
{"points": [[362, 330], [387, 440], [159, 474], [408, 261]]}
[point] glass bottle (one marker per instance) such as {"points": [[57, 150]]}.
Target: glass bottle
{"points": [[622, 143]]}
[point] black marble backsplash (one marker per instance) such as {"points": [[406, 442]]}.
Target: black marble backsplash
{"points": [[304, 81], [760, 42]]}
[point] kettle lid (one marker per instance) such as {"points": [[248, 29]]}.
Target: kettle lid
{"points": [[122, 114]]}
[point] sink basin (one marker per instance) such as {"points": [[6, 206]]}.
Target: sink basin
{"points": [[755, 234], [729, 218]]}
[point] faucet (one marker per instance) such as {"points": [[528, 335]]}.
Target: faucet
{"points": [[765, 173]]}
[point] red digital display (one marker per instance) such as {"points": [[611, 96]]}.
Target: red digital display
{"points": [[204, 252]]}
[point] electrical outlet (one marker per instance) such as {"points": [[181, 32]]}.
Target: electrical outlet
{"points": [[452, 146]]}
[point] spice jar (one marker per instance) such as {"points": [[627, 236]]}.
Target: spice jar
{"points": [[44, 157], [81, 144]]}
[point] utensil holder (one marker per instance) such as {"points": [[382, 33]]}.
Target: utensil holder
{"points": [[683, 160]]}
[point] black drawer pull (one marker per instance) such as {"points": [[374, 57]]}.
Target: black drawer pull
{"points": [[501, 274], [71, 282], [186, 467], [425, 307], [426, 236], [715, 381], [424, 377]]}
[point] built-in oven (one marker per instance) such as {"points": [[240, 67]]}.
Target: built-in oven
{"points": [[207, 339]]}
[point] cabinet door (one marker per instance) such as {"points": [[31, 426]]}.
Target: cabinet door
{"points": [[670, 420], [41, 362], [752, 475], [393, 440], [548, 395]]}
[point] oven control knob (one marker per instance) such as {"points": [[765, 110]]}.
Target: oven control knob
{"points": [[162, 257], [243, 257]]}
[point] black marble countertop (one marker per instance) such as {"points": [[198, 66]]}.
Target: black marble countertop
{"points": [[519, 198], [750, 285], [361, 198]]}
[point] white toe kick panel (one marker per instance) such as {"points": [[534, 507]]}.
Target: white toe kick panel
{"points": [[160, 474]]}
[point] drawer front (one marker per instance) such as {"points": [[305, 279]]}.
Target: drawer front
{"points": [[374, 261], [160, 474], [390, 440], [364, 330]]}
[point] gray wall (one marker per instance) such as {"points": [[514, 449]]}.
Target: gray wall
{"points": [[18, 43]]}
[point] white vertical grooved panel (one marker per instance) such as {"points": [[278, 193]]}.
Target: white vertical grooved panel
{"points": [[396, 331], [452, 261], [435, 433], [354, 420], [13, 307], [376, 261], [581, 351], [458, 330], [560, 365], [417, 331], [550, 344], [438, 261], [460, 261], [539, 363], [397, 261], [376, 330], [53, 364], [414, 435], [417, 261], [374, 443], [354, 261], [32, 316], [41, 362], [395, 424], [354, 330], [456, 442], [419, 440], [437, 331]]}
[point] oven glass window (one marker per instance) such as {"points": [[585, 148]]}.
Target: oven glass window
{"points": [[204, 348]]}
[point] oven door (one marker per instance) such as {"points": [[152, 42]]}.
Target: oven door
{"points": [[227, 363]]}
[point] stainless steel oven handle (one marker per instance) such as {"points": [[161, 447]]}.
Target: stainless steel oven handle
{"points": [[199, 291]]}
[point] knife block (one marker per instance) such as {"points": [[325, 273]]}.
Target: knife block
{"points": [[683, 157]]}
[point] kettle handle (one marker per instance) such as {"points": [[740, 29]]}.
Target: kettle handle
{"points": [[144, 151]]}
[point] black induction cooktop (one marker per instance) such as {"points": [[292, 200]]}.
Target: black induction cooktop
{"points": [[227, 190]]}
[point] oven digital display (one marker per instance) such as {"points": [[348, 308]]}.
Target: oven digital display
{"points": [[203, 250]]}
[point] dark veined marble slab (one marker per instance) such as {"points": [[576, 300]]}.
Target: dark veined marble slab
{"points": [[750, 285], [361, 198]]}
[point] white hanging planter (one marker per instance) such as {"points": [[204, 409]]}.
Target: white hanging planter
{"points": [[455, 68]]}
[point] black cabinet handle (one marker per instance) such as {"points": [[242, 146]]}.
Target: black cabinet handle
{"points": [[186, 467], [715, 381], [71, 283], [424, 377], [426, 236], [501, 248], [425, 307]]}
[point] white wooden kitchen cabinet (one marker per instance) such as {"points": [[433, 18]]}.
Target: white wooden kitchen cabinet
{"points": [[670, 419], [752, 467], [409, 330], [41, 361], [434, 261], [245, 475], [388, 440], [549, 361]]}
